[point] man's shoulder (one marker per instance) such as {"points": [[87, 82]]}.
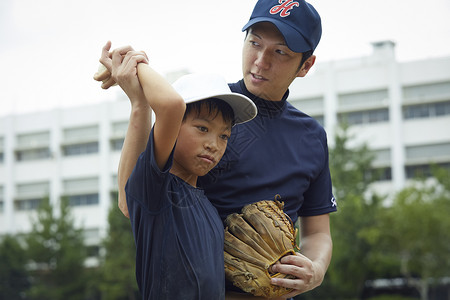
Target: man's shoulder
{"points": [[303, 117]]}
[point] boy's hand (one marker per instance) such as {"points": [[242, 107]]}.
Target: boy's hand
{"points": [[124, 61], [120, 67]]}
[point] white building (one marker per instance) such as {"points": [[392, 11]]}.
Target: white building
{"points": [[63, 152], [402, 110]]}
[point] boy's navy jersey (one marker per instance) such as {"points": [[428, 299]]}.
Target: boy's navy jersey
{"points": [[281, 151], [178, 233]]}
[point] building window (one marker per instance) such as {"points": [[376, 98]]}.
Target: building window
{"points": [[1, 200], [91, 235], [29, 196], [115, 183], [82, 200], [427, 110], [2, 146], [442, 108], [34, 146], [119, 128], [381, 174], [80, 141], [424, 170], [80, 149], [33, 190], [433, 91], [416, 112], [32, 154], [365, 117], [309, 105], [382, 157], [363, 99], [114, 192], [91, 238], [117, 144], [118, 132], [82, 191], [378, 115], [27, 204], [352, 118], [424, 152]]}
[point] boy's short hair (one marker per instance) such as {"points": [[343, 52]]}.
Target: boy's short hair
{"points": [[213, 106]]}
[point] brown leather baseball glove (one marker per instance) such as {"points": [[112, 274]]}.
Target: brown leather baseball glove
{"points": [[255, 240]]}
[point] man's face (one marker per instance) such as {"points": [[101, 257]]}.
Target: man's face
{"points": [[268, 65]]}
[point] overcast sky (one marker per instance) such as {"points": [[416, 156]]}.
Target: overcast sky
{"points": [[49, 49]]}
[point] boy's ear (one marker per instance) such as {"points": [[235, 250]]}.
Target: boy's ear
{"points": [[307, 65]]}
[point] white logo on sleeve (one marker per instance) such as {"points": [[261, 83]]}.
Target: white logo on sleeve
{"points": [[333, 202]]}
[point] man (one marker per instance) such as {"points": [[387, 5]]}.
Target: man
{"points": [[281, 151]]}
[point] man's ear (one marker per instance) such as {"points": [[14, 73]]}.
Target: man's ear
{"points": [[307, 65]]}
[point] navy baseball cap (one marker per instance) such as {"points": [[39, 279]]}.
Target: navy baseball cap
{"points": [[297, 20]]}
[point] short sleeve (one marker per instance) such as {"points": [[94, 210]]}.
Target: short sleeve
{"points": [[318, 198], [148, 182]]}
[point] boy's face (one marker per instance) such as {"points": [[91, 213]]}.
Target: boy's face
{"points": [[200, 145], [268, 65]]}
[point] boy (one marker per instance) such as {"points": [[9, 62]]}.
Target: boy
{"points": [[177, 231]]}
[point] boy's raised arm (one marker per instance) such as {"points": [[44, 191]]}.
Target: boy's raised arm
{"points": [[146, 90], [169, 108], [122, 65]]}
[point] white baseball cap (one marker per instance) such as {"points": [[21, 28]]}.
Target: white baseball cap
{"points": [[196, 87]]}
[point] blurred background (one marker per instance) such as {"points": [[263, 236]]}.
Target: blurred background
{"points": [[380, 87]]}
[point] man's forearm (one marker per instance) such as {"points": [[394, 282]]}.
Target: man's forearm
{"points": [[316, 243], [134, 144], [318, 248]]}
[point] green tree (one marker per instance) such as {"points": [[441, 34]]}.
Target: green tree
{"points": [[13, 274], [118, 266], [415, 231], [351, 173], [57, 254]]}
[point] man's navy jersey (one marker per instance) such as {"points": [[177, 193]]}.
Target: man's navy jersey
{"points": [[281, 151], [178, 233]]}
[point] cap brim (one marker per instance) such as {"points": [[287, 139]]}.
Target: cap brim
{"points": [[244, 109], [294, 39]]}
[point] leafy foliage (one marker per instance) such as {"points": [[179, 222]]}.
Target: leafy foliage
{"points": [[357, 211], [13, 274], [57, 254], [415, 230], [118, 267], [351, 265]]}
